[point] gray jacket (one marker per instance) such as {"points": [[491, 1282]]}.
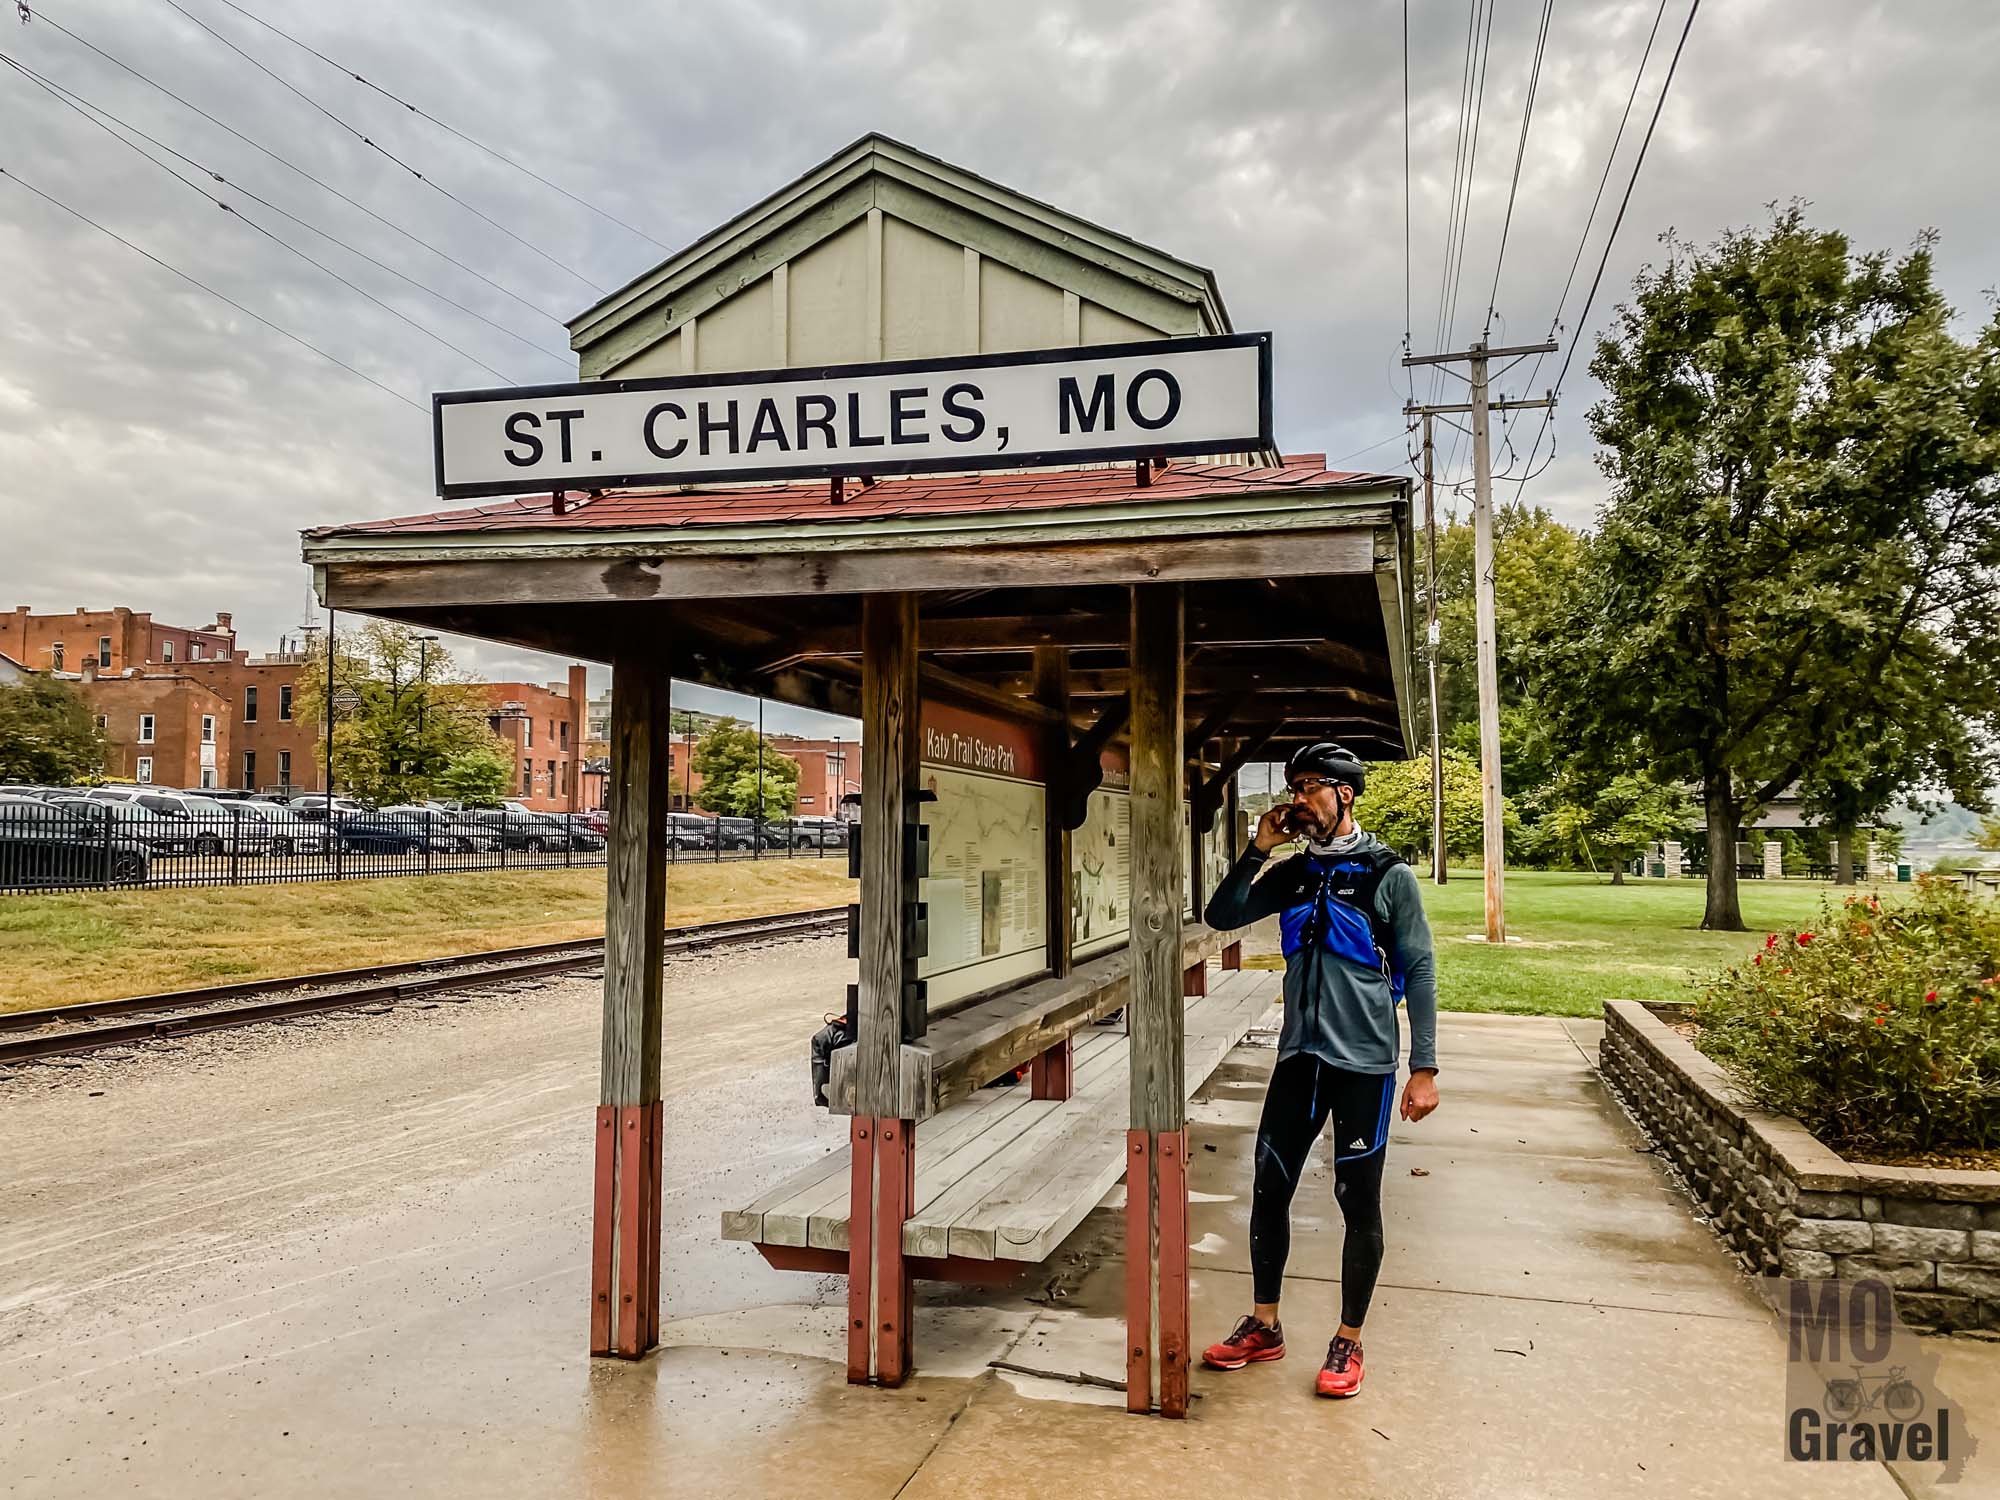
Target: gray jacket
{"points": [[1337, 1008]]}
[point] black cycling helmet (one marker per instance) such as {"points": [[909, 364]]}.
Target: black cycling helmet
{"points": [[1324, 758]]}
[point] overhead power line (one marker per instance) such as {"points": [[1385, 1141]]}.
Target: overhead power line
{"points": [[291, 166], [283, 332], [89, 111], [1632, 181], [422, 114], [231, 209], [1520, 152], [374, 145]]}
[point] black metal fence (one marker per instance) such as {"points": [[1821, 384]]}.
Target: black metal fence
{"points": [[58, 839]]}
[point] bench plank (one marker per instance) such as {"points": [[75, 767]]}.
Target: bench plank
{"points": [[1035, 1212]]}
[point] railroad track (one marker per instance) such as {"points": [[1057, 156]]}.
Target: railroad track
{"points": [[64, 1029]]}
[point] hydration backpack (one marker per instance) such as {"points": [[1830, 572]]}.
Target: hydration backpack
{"points": [[1337, 911]]}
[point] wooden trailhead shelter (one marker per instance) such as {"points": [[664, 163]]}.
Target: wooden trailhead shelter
{"points": [[900, 443]]}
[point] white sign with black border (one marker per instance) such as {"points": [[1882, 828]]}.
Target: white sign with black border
{"points": [[989, 411]]}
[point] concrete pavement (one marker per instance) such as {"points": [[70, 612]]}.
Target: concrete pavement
{"points": [[348, 1259]]}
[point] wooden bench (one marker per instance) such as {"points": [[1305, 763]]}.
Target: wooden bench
{"points": [[964, 1051], [1002, 1178]]}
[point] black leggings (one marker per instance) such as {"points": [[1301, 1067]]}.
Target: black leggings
{"points": [[1304, 1094]]}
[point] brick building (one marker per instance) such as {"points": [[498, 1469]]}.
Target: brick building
{"points": [[161, 727], [827, 769], [544, 728], [111, 640], [270, 750]]}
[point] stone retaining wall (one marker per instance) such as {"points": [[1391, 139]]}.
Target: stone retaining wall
{"points": [[1789, 1206]]}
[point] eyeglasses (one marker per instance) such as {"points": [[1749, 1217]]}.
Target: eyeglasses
{"points": [[1306, 784]]}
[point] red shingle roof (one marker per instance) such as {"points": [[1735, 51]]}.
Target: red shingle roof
{"points": [[930, 495]]}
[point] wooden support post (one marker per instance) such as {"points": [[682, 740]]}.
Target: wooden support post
{"points": [[890, 1006], [1232, 956], [1156, 1314], [625, 1238], [1052, 1076], [1052, 691]]}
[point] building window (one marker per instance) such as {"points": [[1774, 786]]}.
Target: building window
{"points": [[104, 721], [144, 775], [194, 650], [104, 650], [249, 770], [555, 788], [527, 778], [208, 729], [249, 705], [166, 651], [146, 731], [284, 768], [562, 735], [527, 734], [208, 778], [56, 657], [284, 700]]}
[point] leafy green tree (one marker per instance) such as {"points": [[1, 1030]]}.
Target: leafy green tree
{"points": [[479, 775], [48, 734], [1989, 834], [418, 729], [1792, 579], [1397, 805], [726, 759], [1620, 820]]}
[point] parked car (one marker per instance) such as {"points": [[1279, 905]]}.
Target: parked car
{"points": [[314, 806], [43, 844], [290, 832], [690, 831], [131, 820], [818, 833], [745, 833], [373, 833], [598, 821], [212, 827], [523, 831], [459, 831]]}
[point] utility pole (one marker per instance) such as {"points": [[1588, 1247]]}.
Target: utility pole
{"points": [[1431, 653], [1480, 406]]}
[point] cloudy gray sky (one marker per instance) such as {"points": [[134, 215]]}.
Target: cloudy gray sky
{"points": [[159, 449]]}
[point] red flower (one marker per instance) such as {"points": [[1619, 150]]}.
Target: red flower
{"points": [[1804, 938], [1784, 971], [1770, 942], [1880, 1022], [1930, 998], [1756, 958]]}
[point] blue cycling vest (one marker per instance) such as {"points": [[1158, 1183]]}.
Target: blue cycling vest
{"points": [[1337, 911]]}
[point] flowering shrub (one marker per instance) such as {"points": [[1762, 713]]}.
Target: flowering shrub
{"points": [[1880, 1029]]}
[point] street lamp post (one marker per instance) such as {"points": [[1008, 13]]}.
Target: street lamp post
{"points": [[423, 705]]}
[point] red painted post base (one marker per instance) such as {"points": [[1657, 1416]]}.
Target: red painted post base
{"points": [[880, 1287], [1195, 980], [625, 1231], [1052, 1075], [1232, 956], [1156, 1270]]}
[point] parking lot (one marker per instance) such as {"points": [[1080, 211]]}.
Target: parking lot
{"points": [[56, 838]]}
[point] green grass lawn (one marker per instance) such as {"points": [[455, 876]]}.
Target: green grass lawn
{"points": [[1585, 941], [1575, 940]]}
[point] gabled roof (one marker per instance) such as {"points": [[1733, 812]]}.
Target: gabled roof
{"points": [[878, 172]]}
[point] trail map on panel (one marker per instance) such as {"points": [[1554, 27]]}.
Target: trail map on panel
{"points": [[985, 891], [1101, 860]]}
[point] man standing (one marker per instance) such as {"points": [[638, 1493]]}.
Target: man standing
{"points": [[1356, 943]]}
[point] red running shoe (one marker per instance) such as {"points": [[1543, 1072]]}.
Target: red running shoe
{"points": [[1250, 1343], [1340, 1376]]}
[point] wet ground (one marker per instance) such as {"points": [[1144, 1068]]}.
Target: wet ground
{"points": [[347, 1258]]}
